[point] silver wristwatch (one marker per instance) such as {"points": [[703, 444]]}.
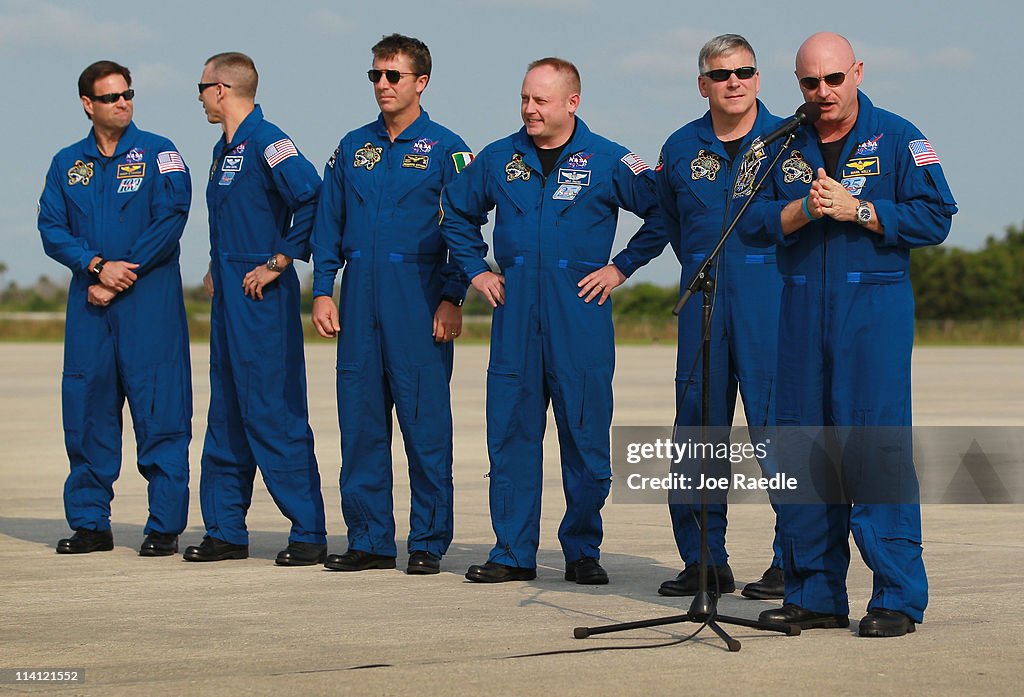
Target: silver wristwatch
{"points": [[272, 264], [864, 213]]}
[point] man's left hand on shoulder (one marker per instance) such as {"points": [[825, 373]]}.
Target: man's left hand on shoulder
{"points": [[600, 283]]}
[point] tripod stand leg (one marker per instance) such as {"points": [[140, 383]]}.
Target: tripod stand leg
{"points": [[732, 644], [584, 632]]}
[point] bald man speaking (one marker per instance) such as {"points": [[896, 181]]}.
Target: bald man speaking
{"points": [[853, 196]]}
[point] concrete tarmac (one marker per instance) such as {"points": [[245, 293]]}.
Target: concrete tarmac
{"points": [[161, 626]]}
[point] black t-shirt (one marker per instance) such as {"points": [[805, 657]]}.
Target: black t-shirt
{"points": [[830, 152], [549, 156], [732, 147]]}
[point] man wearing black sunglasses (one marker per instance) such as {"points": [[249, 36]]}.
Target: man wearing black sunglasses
{"points": [[400, 311], [854, 195], [706, 171], [261, 197], [113, 209]]}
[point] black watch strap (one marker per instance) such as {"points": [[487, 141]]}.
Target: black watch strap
{"points": [[96, 268], [457, 302]]}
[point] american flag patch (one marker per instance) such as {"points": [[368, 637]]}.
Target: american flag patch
{"points": [[281, 150], [923, 152], [635, 164], [169, 161]]}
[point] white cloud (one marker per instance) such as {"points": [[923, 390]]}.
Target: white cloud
{"points": [[897, 59], [670, 52], [43, 25], [153, 76], [328, 23], [547, 5]]}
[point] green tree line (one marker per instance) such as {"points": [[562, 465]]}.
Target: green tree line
{"points": [[950, 283]]}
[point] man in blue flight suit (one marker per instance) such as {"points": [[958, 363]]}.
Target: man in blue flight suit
{"points": [[401, 307], [853, 197], [261, 198], [703, 179], [558, 188], [113, 209]]}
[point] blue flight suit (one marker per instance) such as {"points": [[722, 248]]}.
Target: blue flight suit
{"points": [[696, 181], [846, 331], [377, 219], [129, 207], [261, 198], [547, 345]]}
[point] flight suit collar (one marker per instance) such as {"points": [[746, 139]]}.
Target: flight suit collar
{"points": [[706, 131], [126, 142], [524, 144], [245, 129], [412, 131]]}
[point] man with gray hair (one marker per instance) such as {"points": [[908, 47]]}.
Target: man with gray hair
{"points": [[261, 197], [706, 171]]}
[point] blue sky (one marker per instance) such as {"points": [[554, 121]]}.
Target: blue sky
{"points": [[947, 66]]}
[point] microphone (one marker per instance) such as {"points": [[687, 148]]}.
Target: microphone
{"points": [[807, 113]]}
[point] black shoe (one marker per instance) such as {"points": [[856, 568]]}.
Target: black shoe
{"points": [[85, 541], [688, 581], [587, 572], [805, 619], [358, 560], [212, 549], [493, 572], [159, 544], [771, 586], [302, 554], [422, 562], [879, 622]]}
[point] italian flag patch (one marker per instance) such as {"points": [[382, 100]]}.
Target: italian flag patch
{"points": [[462, 160]]}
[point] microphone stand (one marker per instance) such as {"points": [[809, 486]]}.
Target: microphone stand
{"points": [[704, 608]]}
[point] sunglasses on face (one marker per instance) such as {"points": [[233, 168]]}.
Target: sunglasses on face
{"points": [[723, 74], [393, 76], [203, 86], [832, 80], [114, 97]]}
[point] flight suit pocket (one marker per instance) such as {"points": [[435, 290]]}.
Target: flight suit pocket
{"points": [[73, 390], [503, 395], [264, 405], [350, 402], [431, 386], [591, 420], [169, 400]]}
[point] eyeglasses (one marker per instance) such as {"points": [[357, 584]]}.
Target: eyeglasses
{"points": [[832, 79], [393, 76], [114, 97], [723, 74], [203, 86]]}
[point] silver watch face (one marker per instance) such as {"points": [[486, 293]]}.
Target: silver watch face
{"points": [[272, 263], [863, 213]]}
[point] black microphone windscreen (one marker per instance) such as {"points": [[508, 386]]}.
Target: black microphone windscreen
{"points": [[811, 112]]}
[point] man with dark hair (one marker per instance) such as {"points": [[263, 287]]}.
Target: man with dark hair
{"points": [[400, 310], [703, 178], [261, 197], [857, 192], [113, 210], [558, 189]]}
